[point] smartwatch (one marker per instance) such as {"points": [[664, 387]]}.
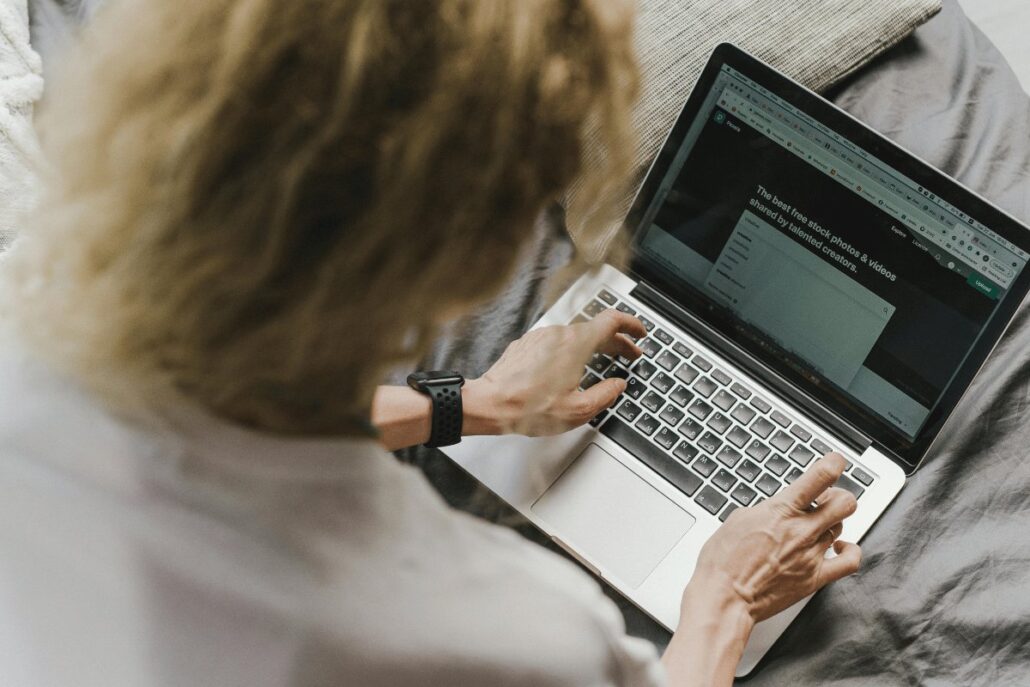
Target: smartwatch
{"points": [[444, 389]]}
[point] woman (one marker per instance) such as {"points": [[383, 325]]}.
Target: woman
{"points": [[257, 208]]}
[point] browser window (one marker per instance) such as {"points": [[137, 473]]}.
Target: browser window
{"points": [[862, 278]]}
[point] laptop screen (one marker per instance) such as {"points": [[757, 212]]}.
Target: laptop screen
{"points": [[813, 251]]}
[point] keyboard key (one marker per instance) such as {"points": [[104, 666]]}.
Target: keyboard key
{"points": [[599, 363], [686, 452], [748, 471], [635, 388], [763, 427], [594, 308], [700, 409], [719, 423], [629, 410], [741, 390], [758, 451], [851, 485], [650, 347], [727, 512], [663, 382], [658, 460], [652, 402], [709, 442], [704, 465], [599, 418], [744, 495], [801, 433], [624, 361], [724, 479], [690, 429], [701, 363], [738, 437], [705, 387], [728, 457], [862, 476], [711, 500], [821, 448], [648, 324], [626, 308], [686, 374], [768, 484], [644, 369], [781, 442], [777, 465], [801, 455], [721, 377], [671, 415], [647, 424], [759, 403], [682, 350], [588, 381], [616, 371], [668, 360], [793, 475], [743, 414], [579, 319], [780, 419], [681, 396], [663, 336], [608, 297], [666, 438], [724, 400]]}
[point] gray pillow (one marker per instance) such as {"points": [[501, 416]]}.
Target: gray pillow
{"points": [[817, 42]]}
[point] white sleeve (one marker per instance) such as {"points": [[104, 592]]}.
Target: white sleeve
{"points": [[21, 86]]}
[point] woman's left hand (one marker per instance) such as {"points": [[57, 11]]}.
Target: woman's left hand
{"points": [[534, 388]]}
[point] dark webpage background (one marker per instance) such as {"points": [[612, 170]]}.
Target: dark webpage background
{"points": [[938, 315]]}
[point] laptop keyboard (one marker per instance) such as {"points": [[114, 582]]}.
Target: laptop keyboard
{"points": [[709, 435]]}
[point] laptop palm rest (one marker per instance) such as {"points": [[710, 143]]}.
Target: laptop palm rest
{"points": [[611, 516]]}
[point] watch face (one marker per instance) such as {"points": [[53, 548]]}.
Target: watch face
{"points": [[417, 379]]}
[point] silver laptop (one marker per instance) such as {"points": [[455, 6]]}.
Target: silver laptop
{"points": [[807, 286]]}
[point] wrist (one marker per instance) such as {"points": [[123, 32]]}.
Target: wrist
{"points": [[482, 416], [708, 644], [718, 607]]}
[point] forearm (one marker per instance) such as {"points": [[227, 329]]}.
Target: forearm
{"points": [[705, 650], [403, 416]]}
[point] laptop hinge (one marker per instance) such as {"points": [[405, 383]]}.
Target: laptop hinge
{"points": [[855, 440]]}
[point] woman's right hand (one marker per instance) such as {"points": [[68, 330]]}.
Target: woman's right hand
{"points": [[773, 555], [762, 560]]}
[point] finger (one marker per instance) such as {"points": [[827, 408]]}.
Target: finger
{"points": [[817, 479], [846, 562], [599, 397], [620, 344], [604, 327], [835, 504], [829, 536]]}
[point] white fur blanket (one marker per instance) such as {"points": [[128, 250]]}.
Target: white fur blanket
{"points": [[21, 86]]}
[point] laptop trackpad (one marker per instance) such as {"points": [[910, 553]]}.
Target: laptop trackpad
{"points": [[606, 512]]}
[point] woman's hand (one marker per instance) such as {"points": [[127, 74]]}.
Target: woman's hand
{"points": [[762, 560], [534, 388], [771, 556]]}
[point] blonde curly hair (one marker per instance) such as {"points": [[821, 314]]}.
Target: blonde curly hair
{"points": [[261, 205]]}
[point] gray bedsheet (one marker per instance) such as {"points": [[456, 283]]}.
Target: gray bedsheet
{"points": [[944, 594]]}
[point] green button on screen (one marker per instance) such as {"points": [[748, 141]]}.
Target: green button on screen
{"points": [[984, 285]]}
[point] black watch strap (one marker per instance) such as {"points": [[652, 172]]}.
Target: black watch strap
{"points": [[448, 413]]}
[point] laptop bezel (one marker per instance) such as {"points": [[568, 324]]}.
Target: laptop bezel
{"points": [[887, 438]]}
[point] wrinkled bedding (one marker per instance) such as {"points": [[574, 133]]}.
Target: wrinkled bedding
{"points": [[944, 594]]}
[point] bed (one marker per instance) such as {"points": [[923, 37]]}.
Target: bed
{"points": [[944, 594]]}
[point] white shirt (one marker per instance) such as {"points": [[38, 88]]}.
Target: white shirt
{"points": [[217, 556]]}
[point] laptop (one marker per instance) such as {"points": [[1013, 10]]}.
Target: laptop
{"points": [[807, 286]]}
